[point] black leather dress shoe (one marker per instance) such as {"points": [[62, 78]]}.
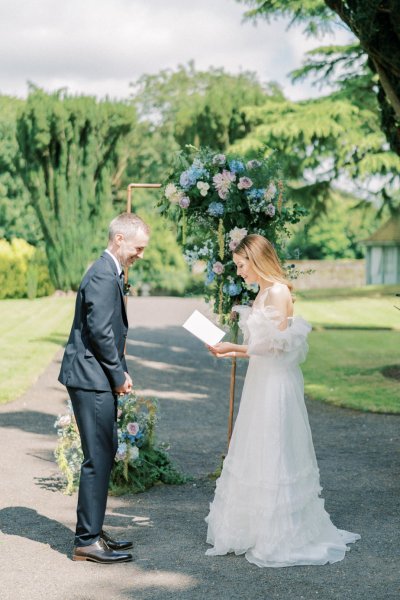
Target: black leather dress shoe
{"points": [[99, 552], [115, 544]]}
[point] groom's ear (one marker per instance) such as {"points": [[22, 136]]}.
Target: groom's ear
{"points": [[118, 239]]}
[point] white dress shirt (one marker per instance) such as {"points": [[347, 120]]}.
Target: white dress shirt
{"points": [[115, 260]]}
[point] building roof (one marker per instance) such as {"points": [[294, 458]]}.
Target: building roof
{"points": [[388, 233]]}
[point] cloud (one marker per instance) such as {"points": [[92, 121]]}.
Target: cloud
{"points": [[99, 46]]}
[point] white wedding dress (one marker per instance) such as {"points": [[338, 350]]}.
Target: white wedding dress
{"points": [[267, 503]]}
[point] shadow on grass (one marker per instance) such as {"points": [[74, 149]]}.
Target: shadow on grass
{"points": [[59, 339], [28, 523], [339, 327]]}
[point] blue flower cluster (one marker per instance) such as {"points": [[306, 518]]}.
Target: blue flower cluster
{"points": [[189, 177], [136, 440], [236, 166], [255, 194], [233, 289], [216, 209]]}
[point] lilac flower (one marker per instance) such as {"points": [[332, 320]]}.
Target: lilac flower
{"points": [[184, 202], [218, 268], [270, 210], [244, 183], [121, 452], [216, 209], [222, 183]]}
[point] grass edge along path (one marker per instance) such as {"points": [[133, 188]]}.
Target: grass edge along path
{"points": [[31, 333]]}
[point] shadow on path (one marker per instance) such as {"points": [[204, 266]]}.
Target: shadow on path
{"points": [[28, 523], [31, 421]]}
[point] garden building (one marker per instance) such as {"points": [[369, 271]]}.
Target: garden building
{"points": [[383, 253]]}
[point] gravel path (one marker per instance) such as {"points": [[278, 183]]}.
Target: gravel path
{"points": [[357, 453]]}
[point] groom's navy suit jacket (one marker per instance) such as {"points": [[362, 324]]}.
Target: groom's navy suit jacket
{"points": [[94, 357]]}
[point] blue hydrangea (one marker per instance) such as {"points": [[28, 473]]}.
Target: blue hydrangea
{"points": [[216, 209], [255, 194], [236, 166], [122, 448], [210, 277], [190, 177], [233, 289]]}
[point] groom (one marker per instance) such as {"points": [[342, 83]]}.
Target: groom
{"points": [[94, 371]]}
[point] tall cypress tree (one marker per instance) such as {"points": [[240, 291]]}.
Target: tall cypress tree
{"points": [[70, 151]]}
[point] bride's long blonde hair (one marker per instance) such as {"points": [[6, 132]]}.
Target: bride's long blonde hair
{"points": [[263, 259]]}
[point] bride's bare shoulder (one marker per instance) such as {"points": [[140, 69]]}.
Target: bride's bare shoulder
{"points": [[279, 292]]}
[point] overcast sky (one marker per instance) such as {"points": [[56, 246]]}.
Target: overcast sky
{"points": [[100, 46]]}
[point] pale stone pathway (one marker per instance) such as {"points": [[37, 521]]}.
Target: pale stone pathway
{"points": [[357, 457]]}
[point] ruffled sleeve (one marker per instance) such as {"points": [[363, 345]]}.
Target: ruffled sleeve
{"points": [[244, 312], [265, 337]]}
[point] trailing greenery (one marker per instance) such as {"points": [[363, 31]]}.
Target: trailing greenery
{"points": [[70, 152]]}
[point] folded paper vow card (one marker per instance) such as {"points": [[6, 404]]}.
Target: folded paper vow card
{"points": [[203, 328]]}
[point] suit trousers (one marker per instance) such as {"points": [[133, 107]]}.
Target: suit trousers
{"points": [[96, 417]]}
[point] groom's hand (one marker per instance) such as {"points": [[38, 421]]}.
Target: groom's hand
{"points": [[126, 387]]}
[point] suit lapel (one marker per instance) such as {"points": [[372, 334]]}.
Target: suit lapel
{"points": [[120, 282]]}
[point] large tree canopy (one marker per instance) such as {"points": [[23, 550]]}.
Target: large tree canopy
{"points": [[70, 150], [376, 24]]}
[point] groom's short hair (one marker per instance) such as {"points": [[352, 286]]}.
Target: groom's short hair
{"points": [[127, 224]]}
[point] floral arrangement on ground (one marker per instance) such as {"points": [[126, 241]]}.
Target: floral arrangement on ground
{"points": [[139, 463], [218, 199]]}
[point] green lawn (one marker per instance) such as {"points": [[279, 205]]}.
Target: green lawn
{"points": [[31, 332], [356, 333]]}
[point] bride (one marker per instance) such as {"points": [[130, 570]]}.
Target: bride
{"points": [[267, 503]]}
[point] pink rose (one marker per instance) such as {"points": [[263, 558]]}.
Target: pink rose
{"points": [[132, 428], [233, 245], [244, 183], [218, 268]]}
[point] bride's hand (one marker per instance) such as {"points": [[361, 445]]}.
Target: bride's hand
{"points": [[220, 349]]}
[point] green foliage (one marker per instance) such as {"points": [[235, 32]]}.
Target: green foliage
{"points": [[163, 267], [336, 233], [202, 108], [139, 462], [319, 141], [23, 271], [70, 149], [17, 217], [377, 27]]}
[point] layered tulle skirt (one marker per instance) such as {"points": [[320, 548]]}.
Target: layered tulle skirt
{"points": [[267, 504]]}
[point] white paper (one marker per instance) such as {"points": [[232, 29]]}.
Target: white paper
{"points": [[203, 328]]}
